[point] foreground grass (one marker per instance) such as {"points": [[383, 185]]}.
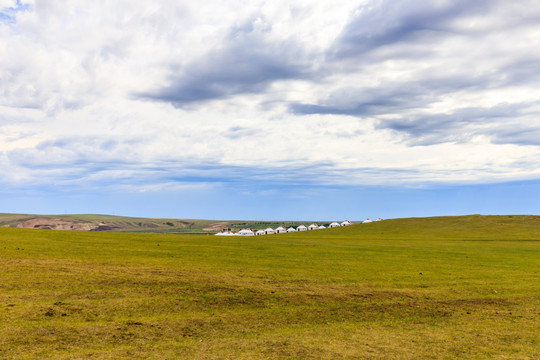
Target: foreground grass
{"points": [[443, 288]]}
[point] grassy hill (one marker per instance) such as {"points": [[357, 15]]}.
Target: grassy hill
{"points": [[137, 224], [424, 288]]}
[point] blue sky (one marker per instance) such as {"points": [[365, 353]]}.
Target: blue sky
{"points": [[270, 109]]}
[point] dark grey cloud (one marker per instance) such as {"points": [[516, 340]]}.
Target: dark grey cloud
{"points": [[407, 102], [410, 33], [503, 123], [517, 136], [248, 62], [389, 97], [458, 126], [390, 22], [362, 101], [523, 70]]}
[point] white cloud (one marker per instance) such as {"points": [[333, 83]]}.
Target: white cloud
{"points": [[6, 4], [451, 103]]}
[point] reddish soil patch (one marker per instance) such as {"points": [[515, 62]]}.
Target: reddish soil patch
{"points": [[57, 224]]}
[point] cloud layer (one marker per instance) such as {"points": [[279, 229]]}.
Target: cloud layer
{"points": [[164, 94]]}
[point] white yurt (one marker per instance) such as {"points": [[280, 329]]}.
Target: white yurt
{"points": [[301, 228], [366, 221], [228, 233], [334, 224], [260, 232], [280, 230], [379, 219], [313, 227], [219, 234], [322, 227], [345, 223], [246, 232], [291, 229], [269, 231]]}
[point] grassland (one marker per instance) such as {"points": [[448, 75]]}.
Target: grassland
{"points": [[432, 288]]}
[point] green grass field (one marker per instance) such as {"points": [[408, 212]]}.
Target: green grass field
{"points": [[426, 288]]}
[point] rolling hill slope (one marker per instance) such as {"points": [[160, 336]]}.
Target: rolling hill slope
{"points": [[95, 222]]}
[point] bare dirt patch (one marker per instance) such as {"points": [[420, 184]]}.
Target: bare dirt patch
{"points": [[58, 224]]}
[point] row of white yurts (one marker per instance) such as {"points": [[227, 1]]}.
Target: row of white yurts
{"points": [[281, 229]]}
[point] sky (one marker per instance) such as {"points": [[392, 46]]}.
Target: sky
{"points": [[291, 110]]}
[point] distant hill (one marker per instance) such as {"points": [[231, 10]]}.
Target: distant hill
{"points": [[467, 227], [96, 222], [451, 227]]}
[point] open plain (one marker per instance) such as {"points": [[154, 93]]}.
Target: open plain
{"points": [[419, 288]]}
